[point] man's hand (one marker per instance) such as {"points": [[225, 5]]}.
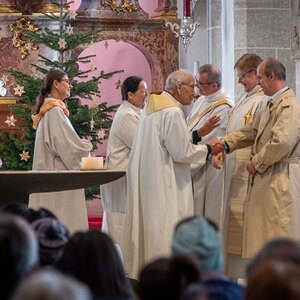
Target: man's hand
{"points": [[211, 124], [217, 160], [251, 168], [217, 146]]}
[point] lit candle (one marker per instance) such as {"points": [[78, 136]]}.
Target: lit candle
{"points": [[92, 163], [187, 8]]}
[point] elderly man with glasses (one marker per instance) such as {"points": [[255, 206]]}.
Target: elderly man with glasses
{"points": [[206, 121], [159, 174]]}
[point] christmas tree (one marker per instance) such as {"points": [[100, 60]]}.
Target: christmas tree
{"points": [[16, 150]]}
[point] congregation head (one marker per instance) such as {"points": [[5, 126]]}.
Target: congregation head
{"points": [[18, 253], [274, 280], [283, 249], [167, 278], [51, 285], [87, 255], [200, 236]]}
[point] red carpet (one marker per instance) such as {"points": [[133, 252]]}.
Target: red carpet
{"points": [[95, 222]]}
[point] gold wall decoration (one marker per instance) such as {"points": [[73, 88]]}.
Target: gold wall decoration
{"points": [[124, 6], [24, 44]]}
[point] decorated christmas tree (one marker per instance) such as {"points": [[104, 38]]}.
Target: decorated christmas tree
{"points": [[92, 122]]}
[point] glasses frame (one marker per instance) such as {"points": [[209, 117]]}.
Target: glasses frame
{"points": [[67, 81], [242, 76], [190, 85]]}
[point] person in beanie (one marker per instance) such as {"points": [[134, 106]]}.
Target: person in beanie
{"points": [[200, 236], [52, 237]]}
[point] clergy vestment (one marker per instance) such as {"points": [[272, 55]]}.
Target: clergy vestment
{"points": [[117, 214], [236, 178], [159, 178], [272, 208], [59, 148], [207, 180]]}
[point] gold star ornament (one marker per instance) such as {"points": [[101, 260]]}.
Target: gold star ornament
{"points": [[24, 155], [10, 121], [19, 90], [101, 134]]}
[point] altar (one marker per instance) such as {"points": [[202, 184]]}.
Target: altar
{"points": [[16, 186]]}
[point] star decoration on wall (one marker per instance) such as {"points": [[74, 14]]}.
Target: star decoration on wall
{"points": [[93, 67], [19, 90], [24, 155], [72, 14], [10, 121], [4, 78], [118, 84], [69, 29], [92, 123], [101, 134], [62, 43]]}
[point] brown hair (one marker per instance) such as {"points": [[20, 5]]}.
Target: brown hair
{"points": [[53, 74], [248, 62]]}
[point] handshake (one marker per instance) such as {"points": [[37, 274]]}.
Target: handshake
{"points": [[217, 153]]}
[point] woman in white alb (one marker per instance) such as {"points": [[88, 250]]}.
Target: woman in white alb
{"points": [[117, 214], [58, 147]]}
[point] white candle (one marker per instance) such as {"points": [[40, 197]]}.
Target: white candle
{"points": [[92, 163]]}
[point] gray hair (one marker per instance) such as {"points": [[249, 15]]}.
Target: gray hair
{"points": [[213, 74], [275, 66], [51, 285], [177, 77]]}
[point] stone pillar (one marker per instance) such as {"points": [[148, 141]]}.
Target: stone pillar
{"points": [[8, 7], [266, 31]]}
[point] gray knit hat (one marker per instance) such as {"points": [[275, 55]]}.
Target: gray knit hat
{"points": [[52, 237]]}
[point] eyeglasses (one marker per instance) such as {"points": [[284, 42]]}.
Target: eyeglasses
{"points": [[190, 85], [242, 76], [203, 83], [67, 81]]}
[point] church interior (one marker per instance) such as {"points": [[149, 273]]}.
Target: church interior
{"points": [[99, 44]]}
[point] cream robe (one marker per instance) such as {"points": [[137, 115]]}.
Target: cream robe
{"points": [[113, 194], [207, 180], [247, 109], [58, 147], [159, 178], [272, 206]]}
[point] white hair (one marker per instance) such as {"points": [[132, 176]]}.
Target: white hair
{"points": [[177, 77], [51, 285]]}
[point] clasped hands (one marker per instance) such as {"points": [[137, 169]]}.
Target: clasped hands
{"points": [[217, 153], [217, 156]]}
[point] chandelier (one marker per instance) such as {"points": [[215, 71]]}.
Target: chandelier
{"points": [[187, 27]]}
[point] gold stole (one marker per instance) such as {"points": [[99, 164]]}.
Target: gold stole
{"points": [[47, 106], [159, 100], [195, 119]]}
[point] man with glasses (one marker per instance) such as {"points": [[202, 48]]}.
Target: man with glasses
{"points": [[207, 120], [247, 108], [159, 175]]}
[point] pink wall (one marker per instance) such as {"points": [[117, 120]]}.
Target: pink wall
{"points": [[147, 5], [113, 56], [116, 56]]}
